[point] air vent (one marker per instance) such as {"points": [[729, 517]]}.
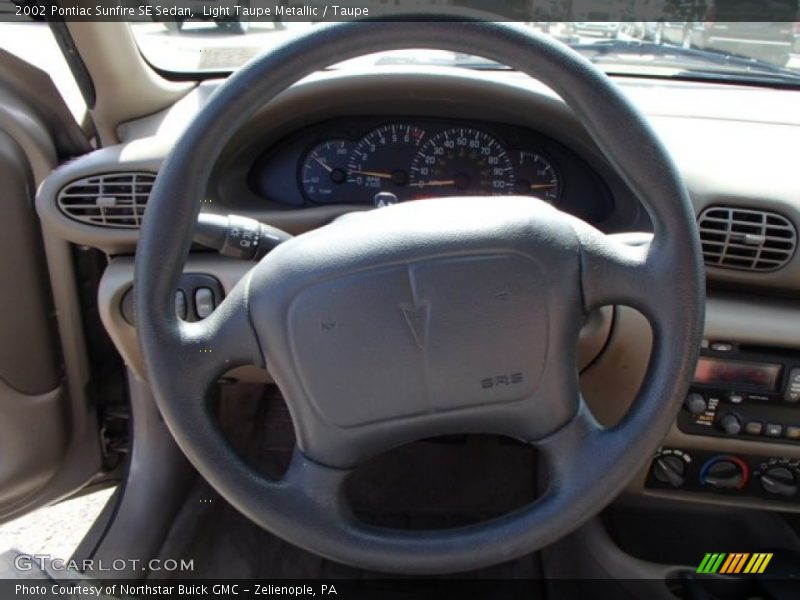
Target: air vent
{"points": [[108, 200], [752, 240]]}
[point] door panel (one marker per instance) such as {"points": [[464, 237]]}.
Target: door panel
{"points": [[27, 354], [49, 440], [29, 461]]}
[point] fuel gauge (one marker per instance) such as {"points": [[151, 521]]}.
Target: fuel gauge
{"points": [[536, 176], [324, 171]]}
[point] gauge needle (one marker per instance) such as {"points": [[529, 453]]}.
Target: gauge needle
{"points": [[322, 163], [373, 174], [429, 183], [539, 186]]}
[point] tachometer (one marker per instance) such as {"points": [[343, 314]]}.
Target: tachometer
{"points": [[324, 171], [462, 161], [379, 162], [536, 176]]}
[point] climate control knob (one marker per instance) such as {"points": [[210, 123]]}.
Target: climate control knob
{"points": [[725, 473], [780, 481], [669, 469], [730, 424]]}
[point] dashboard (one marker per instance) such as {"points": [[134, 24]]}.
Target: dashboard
{"points": [[335, 142], [383, 160]]}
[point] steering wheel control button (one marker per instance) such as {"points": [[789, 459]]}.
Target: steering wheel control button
{"points": [[753, 428], [185, 303], [780, 481], [730, 424], [669, 469], [773, 430], [695, 403], [725, 473], [203, 302]]}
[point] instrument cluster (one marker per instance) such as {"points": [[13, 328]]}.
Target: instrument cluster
{"points": [[403, 161], [369, 160]]}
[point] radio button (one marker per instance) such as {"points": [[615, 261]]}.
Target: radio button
{"points": [[721, 346], [793, 432], [695, 403], [773, 430], [792, 393], [736, 398], [730, 424], [754, 428]]}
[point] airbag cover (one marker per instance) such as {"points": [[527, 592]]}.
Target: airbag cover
{"points": [[447, 332], [434, 316]]}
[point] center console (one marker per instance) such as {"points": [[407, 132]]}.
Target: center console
{"points": [[742, 393]]}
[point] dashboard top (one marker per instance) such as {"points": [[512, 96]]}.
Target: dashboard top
{"points": [[730, 149]]}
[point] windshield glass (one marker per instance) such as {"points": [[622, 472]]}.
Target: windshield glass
{"points": [[766, 52]]}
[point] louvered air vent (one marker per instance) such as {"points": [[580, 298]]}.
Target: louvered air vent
{"points": [[753, 240], [108, 200]]}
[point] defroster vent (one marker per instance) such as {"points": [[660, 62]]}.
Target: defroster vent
{"points": [[108, 200], [752, 240]]}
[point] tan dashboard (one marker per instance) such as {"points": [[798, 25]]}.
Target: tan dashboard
{"points": [[740, 155]]}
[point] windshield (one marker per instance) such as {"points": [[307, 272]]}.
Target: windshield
{"points": [[767, 52]]}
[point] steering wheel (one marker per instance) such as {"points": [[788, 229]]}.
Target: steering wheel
{"points": [[424, 318]]}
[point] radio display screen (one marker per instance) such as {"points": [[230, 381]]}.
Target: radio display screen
{"points": [[761, 375]]}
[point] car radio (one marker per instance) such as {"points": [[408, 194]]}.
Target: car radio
{"points": [[744, 391]]}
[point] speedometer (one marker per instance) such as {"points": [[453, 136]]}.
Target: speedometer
{"points": [[462, 161]]}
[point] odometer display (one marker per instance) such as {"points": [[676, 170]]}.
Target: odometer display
{"points": [[461, 161]]}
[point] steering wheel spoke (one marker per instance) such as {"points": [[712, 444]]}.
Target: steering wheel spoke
{"points": [[320, 486], [566, 450], [618, 269]]}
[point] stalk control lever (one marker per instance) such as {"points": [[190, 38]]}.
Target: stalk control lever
{"points": [[238, 237]]}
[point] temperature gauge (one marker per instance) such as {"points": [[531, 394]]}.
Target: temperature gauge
{"points": [[536, 176]]}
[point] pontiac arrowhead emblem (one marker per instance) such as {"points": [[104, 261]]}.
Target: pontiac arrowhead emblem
{"points": [[417, 319]]}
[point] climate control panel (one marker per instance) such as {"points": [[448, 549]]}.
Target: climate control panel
{"points": [[771, 478]]}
